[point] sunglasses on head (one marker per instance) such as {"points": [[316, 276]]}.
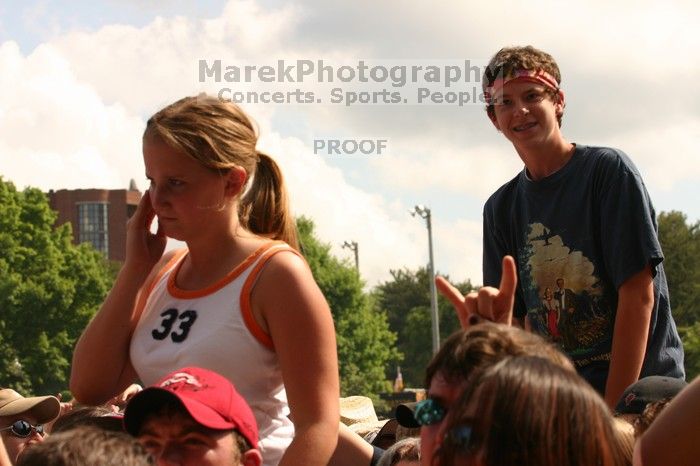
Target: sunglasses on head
{"points": [[429, 412], [24, 429]]}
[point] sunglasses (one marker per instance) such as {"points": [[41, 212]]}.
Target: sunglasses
{"points": [[23, 429], [429, 412], [460, 437]]}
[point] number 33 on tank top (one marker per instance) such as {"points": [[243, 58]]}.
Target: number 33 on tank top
{"points": [[170, 317]]}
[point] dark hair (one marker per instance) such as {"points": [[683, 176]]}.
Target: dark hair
{"points": [[98, 416], [407, 449], [510, 59], [86, 446], [467, 352], [528, 411], [651, 411], [220, 136]]}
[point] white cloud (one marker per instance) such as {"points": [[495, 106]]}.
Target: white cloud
{"points": [[57, 132], [72, 112], [476, 170], [666, 153], [75, 106]]}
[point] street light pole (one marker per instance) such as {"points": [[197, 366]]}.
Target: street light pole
{"points": [[424, 212], [352, 245]]}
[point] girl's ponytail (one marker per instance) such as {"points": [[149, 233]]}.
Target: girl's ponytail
{"points": [[264, 209]]}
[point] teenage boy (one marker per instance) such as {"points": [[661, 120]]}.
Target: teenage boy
{"points": [[194, 417], [577, 215]]}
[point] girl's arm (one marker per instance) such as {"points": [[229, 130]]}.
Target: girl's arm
{"points": [[101, 368], [299, 321], [4, 459]]}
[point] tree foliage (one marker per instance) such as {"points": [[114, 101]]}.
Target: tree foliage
{"points": [[49, 289], [365, 343], [691, 344], [681, 245], [406, 301]]}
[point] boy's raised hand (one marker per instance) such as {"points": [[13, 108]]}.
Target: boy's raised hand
{"points": [[489, 303]]}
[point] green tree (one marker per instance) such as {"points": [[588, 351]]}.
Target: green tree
{"points": [[365, 344], [691, 344], [681, 245], [406, 301], [49, 289]]}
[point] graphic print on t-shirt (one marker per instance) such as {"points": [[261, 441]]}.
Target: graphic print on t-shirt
{"points": [[564, 298], [171, 317]]}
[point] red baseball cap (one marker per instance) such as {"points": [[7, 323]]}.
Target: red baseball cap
{"points": [[208, 397]]}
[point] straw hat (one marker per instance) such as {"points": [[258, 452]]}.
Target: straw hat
{"points": [[357, 412]]}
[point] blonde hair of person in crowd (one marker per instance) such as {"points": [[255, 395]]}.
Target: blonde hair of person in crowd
{"points": [[526, 410], [238, 300]]}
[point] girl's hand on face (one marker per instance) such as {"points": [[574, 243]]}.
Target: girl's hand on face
{"points": [[142, 246]]}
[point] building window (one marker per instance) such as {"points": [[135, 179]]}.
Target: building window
{"points": [[92, 225]]}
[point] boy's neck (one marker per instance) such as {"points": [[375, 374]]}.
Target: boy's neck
{"points": [[544, 160]]}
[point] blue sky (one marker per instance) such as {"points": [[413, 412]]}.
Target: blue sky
{"points": [[86, 75]]}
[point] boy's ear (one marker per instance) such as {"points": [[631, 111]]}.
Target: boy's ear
{"points": [[251, 457], [235, 181], [559, 103]]}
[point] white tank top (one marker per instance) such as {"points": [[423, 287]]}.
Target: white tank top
{"points": [[214, 328]]}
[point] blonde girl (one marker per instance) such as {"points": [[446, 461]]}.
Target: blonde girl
{"points": [[239, 299]]}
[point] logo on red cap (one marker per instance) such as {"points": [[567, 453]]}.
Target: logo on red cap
{"points": [[181, 378]]}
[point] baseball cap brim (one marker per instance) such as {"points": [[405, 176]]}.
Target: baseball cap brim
{"points": [[43, 408], [151, 399], [648, 390], [405, 415]]}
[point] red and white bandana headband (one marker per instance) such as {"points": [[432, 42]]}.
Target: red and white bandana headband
{"points": [[535, 76]]}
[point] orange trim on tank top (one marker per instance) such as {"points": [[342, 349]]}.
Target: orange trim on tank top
{"points": [[216, 286], [143, 299], [246, 310]]}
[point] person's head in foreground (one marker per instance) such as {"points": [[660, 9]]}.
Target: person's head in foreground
{"points": [[523, 97], [87, 446], [645, 391], [97, 416], [405, 452], [524, 411], [194, 417], [461, 358], [22, 420]]}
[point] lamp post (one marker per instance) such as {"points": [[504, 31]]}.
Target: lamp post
{"points": [[424, 212], [352, 245]]}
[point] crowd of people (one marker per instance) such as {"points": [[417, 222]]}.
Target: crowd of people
{"points": [[567, 356]]}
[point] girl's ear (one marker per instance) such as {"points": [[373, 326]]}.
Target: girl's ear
{"points": [[235, 181]]}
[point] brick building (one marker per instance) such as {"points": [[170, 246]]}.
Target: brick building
{"points": [[98, 216]]}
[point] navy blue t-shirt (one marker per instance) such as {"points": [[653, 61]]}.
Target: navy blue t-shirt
{"points": [[577, 235]]}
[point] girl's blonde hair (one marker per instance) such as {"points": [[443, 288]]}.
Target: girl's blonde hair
{"points": [[220, 136]]}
